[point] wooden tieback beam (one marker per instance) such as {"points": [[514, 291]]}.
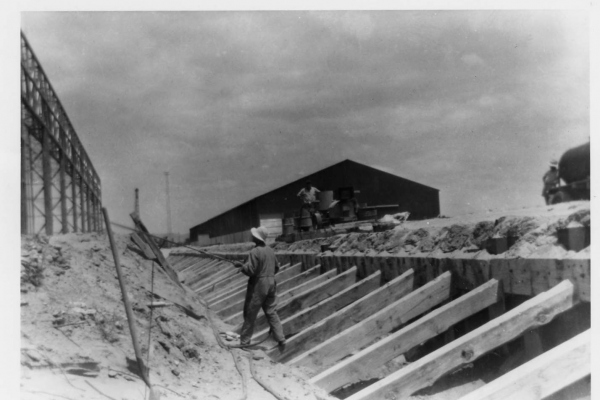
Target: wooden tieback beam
{"points": [[424, 372]]}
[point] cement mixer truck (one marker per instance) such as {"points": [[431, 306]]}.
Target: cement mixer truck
{"points": [[574, 172]]}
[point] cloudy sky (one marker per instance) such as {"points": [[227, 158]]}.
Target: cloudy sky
{"points": [[234, 104]]}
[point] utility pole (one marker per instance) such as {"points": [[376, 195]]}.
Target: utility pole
{"points": [[136, 206], [169, 229]]}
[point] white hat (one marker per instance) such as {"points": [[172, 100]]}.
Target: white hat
{"points": [[553, 163], [260, 233]]}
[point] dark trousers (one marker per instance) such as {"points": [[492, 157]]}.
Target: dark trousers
{"points": [[261, 293]]}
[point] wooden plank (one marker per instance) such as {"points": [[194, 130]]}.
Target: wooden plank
{"points": [[221, 282], [175, 258], [171, 273], [376, 325], [298, 279], [289, 272], [425, 371], [520, 275], [193, 268], [305, 294], [234, 303], [236, 286], [193, 274], [226, 292], [317, 312], [209, 274], [544, 375], [225, 270], [316, 294], [304, 287], [143, 246], [197, 264], [223, 291], [233, 299], [346, 317], [357, 367], [579, 269]]}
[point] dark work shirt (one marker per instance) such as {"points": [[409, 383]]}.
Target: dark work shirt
{"points": [[261, 263]]}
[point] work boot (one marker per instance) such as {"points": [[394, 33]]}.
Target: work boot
{"points": [[281, 346]]}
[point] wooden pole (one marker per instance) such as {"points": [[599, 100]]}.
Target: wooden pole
{"points": [[128, 310]]}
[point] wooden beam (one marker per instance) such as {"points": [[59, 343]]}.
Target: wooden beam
{"points": [[191, 270], [317, 293], [191, 263], [298, 279], [287, 273], [215, 298], [143, 246], [235, 287], [239, 295], [223, 270], [304, 286], [234, 313], [544, 375], [150, 241], [358, 366], [210, 274], [425, 371], [222, 283], [323, 309], [346, 317], [226, 285], [380, 323], [202, 273]]}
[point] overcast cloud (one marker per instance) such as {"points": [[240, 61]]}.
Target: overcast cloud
{"points": [[234, 104]]}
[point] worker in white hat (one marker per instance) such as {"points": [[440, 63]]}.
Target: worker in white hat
{"points": [[261, 267], [551, 180]]}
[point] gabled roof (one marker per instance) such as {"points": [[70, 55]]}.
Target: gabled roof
{"points": [[301, 180]]}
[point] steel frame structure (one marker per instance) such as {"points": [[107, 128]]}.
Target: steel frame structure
{"points": [[60, 189]]}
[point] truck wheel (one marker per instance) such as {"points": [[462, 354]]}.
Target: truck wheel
{"points": [[560, 197]]}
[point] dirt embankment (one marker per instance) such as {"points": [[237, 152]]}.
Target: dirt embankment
{"points": [[532, 233], [75, 340]]}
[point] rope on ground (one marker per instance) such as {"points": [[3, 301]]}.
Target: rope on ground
{"points": [[242, 373], [98, 391], [263, 383], [230, 348]]}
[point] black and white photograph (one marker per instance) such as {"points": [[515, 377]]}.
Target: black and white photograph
{"points": [[298, 201]]}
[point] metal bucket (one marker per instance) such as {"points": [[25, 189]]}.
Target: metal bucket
{"points": [[325, 199], [305, 219]]}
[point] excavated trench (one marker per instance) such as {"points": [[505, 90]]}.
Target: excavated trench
{"points": [[370, 320]]}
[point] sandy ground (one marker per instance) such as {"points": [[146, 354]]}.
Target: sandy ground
{"points": [[75, 341], [533, 229]]}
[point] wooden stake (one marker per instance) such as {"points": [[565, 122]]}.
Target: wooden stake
{"points": [[128, 310]]}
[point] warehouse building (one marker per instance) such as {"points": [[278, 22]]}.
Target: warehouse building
{"points": [[373, 187]]}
